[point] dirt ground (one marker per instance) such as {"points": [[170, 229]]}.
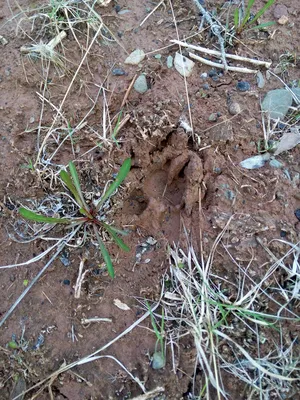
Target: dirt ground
{"points": [[160, 197]]}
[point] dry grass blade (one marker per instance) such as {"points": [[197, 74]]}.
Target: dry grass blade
{"points": [[205, 311]]}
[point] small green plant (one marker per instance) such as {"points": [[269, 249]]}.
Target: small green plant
{"points": [[89, 214], [159, 356], [243, 21], [29, 165]]}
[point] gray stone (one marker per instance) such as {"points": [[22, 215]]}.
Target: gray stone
{"points": [[158, 360], [169, 61], [140, 85], [255, 161], [213, 117], [277, 103], [183, 65], [260, 80], [135, 57], [275, 164], [279, 11]]}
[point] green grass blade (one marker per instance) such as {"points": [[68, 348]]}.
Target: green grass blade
{"points": [[76, 182], [116, 238], [262, 26], [247, 12], [65, 177], [119, 231], [236, 18], [262, 11], [106, 257], [123, 172], [32, 216]]}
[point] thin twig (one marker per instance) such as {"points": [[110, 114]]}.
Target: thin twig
{"points": [[219, 54], [128, 91], [221, 66], [86, 321], [154, 9], [80, 279]]}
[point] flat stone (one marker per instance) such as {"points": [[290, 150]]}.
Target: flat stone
{"points": [[135, 57], [183, 65], [277, 103], [140, 85]]}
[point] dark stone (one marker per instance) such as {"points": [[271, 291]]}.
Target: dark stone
{"points": [[206, 86], [297, 213], [283, 233], [117, 8], [66, 282], [118, 72], [243, 86], [212, 73]]}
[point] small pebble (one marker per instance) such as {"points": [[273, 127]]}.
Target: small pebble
{"points": [[206, 86], [297, 214], [135, 57], [124, 12], [213, 117], [3, 41], [140, 85], [283, 233], [169, 61], [243, 86], [212, 73], [183, 65], [234, 108], [117, 8], [118, 72], [204, 75], [158, 360], [66, 282], [283, 20], [260, 80], [215, 78], [157, 56]]}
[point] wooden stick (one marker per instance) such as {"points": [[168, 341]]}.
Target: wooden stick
{"points": [[221, 66], [218, 54], [128, 91]]}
